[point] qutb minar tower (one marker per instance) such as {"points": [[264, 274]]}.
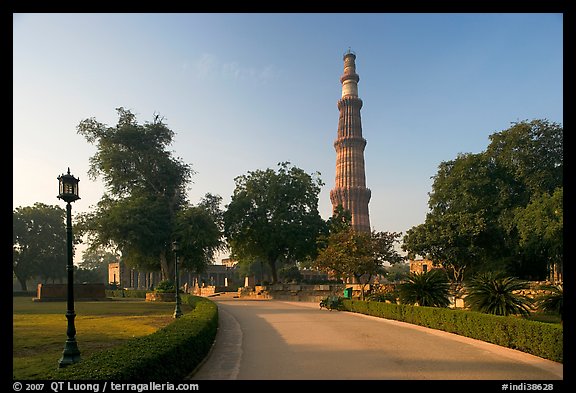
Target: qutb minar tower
{"points": [[350, 190]]}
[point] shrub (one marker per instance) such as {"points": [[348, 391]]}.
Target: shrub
{"points": [[383, 294], [332, 303], [430, 289], [552, 300], [494, 293], [165, 286], [130, 293]]}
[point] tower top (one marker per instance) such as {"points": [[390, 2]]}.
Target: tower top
{"points": [[349, 52], [349, 78]]}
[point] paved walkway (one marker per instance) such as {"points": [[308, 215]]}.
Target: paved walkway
{"points": [[274, 340]]}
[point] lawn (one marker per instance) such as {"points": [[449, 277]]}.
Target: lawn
{"points": [[39, 329]]}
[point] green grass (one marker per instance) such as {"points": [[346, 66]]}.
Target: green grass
{"points": [[39, 329]]}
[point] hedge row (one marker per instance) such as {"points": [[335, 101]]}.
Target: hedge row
{"points": [[167, 354], [136, 293], [24, 293], [537, 338]]}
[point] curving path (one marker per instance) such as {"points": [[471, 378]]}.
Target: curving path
{"points": [[278, 340]]}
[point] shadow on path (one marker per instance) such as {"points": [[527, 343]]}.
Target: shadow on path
{"points": [[276, 340]]}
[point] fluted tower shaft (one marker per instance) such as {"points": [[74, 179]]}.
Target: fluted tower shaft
{"points": [[350, 189]]}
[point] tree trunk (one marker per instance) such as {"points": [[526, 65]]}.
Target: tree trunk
{"points": [[167, 268], [22, 282], [272, 263]]}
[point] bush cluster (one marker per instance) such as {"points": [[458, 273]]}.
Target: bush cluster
{"points": [[24, 293], [167, 286], [332, 303], [132, 293]]}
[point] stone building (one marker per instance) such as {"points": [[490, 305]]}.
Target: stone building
{"points": [[422, 266], [350, 188], [229, 262], [124, 277], [215, 275]]}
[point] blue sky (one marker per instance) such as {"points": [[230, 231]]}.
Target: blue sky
{"points": [[246, 91]]}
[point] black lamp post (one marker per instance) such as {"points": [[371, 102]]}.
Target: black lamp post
{"points": [[177, 310], [68, 191]]}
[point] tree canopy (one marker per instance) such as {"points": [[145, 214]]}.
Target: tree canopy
{"points": [[483, 206], [347, 253], [145, 207], [199, 233], [38, 243], [273, 215], [94, 265]]}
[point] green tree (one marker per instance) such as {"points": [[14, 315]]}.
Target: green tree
{"points": [[253, 267], [397, 272], [39, 243], [347, 253], [143, 210], [341, 219], [273, 216], [533, 152], [430, 289], [212, 205], [541, 230], [495, 293], [139, 227], [290, 274], [98, 259], [94, 265], [462, 230], [83, 275], [474, 205], [199, 234]]}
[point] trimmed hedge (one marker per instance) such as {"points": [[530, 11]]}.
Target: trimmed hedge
{"points": [[136, 293], [24, 293], [167, 354], [537, 338]]}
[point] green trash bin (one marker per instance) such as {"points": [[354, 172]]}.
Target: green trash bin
{"points": [[348, 293]]}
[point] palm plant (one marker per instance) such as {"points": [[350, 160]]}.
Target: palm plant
{"points": [[552, 300], [430, 289], [495, 293]]}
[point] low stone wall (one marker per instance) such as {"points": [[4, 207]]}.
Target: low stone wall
{"points": [[536, 289], [59, 292], [315, 293], [160, 296], [209, 290], [293, 292], [253, 293]]}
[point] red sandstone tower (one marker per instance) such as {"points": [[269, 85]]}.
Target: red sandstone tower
{"points": [[350, 190]]}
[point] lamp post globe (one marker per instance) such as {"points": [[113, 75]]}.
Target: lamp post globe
{"points": [[177, 309], [68, 187], [68, 192]]}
